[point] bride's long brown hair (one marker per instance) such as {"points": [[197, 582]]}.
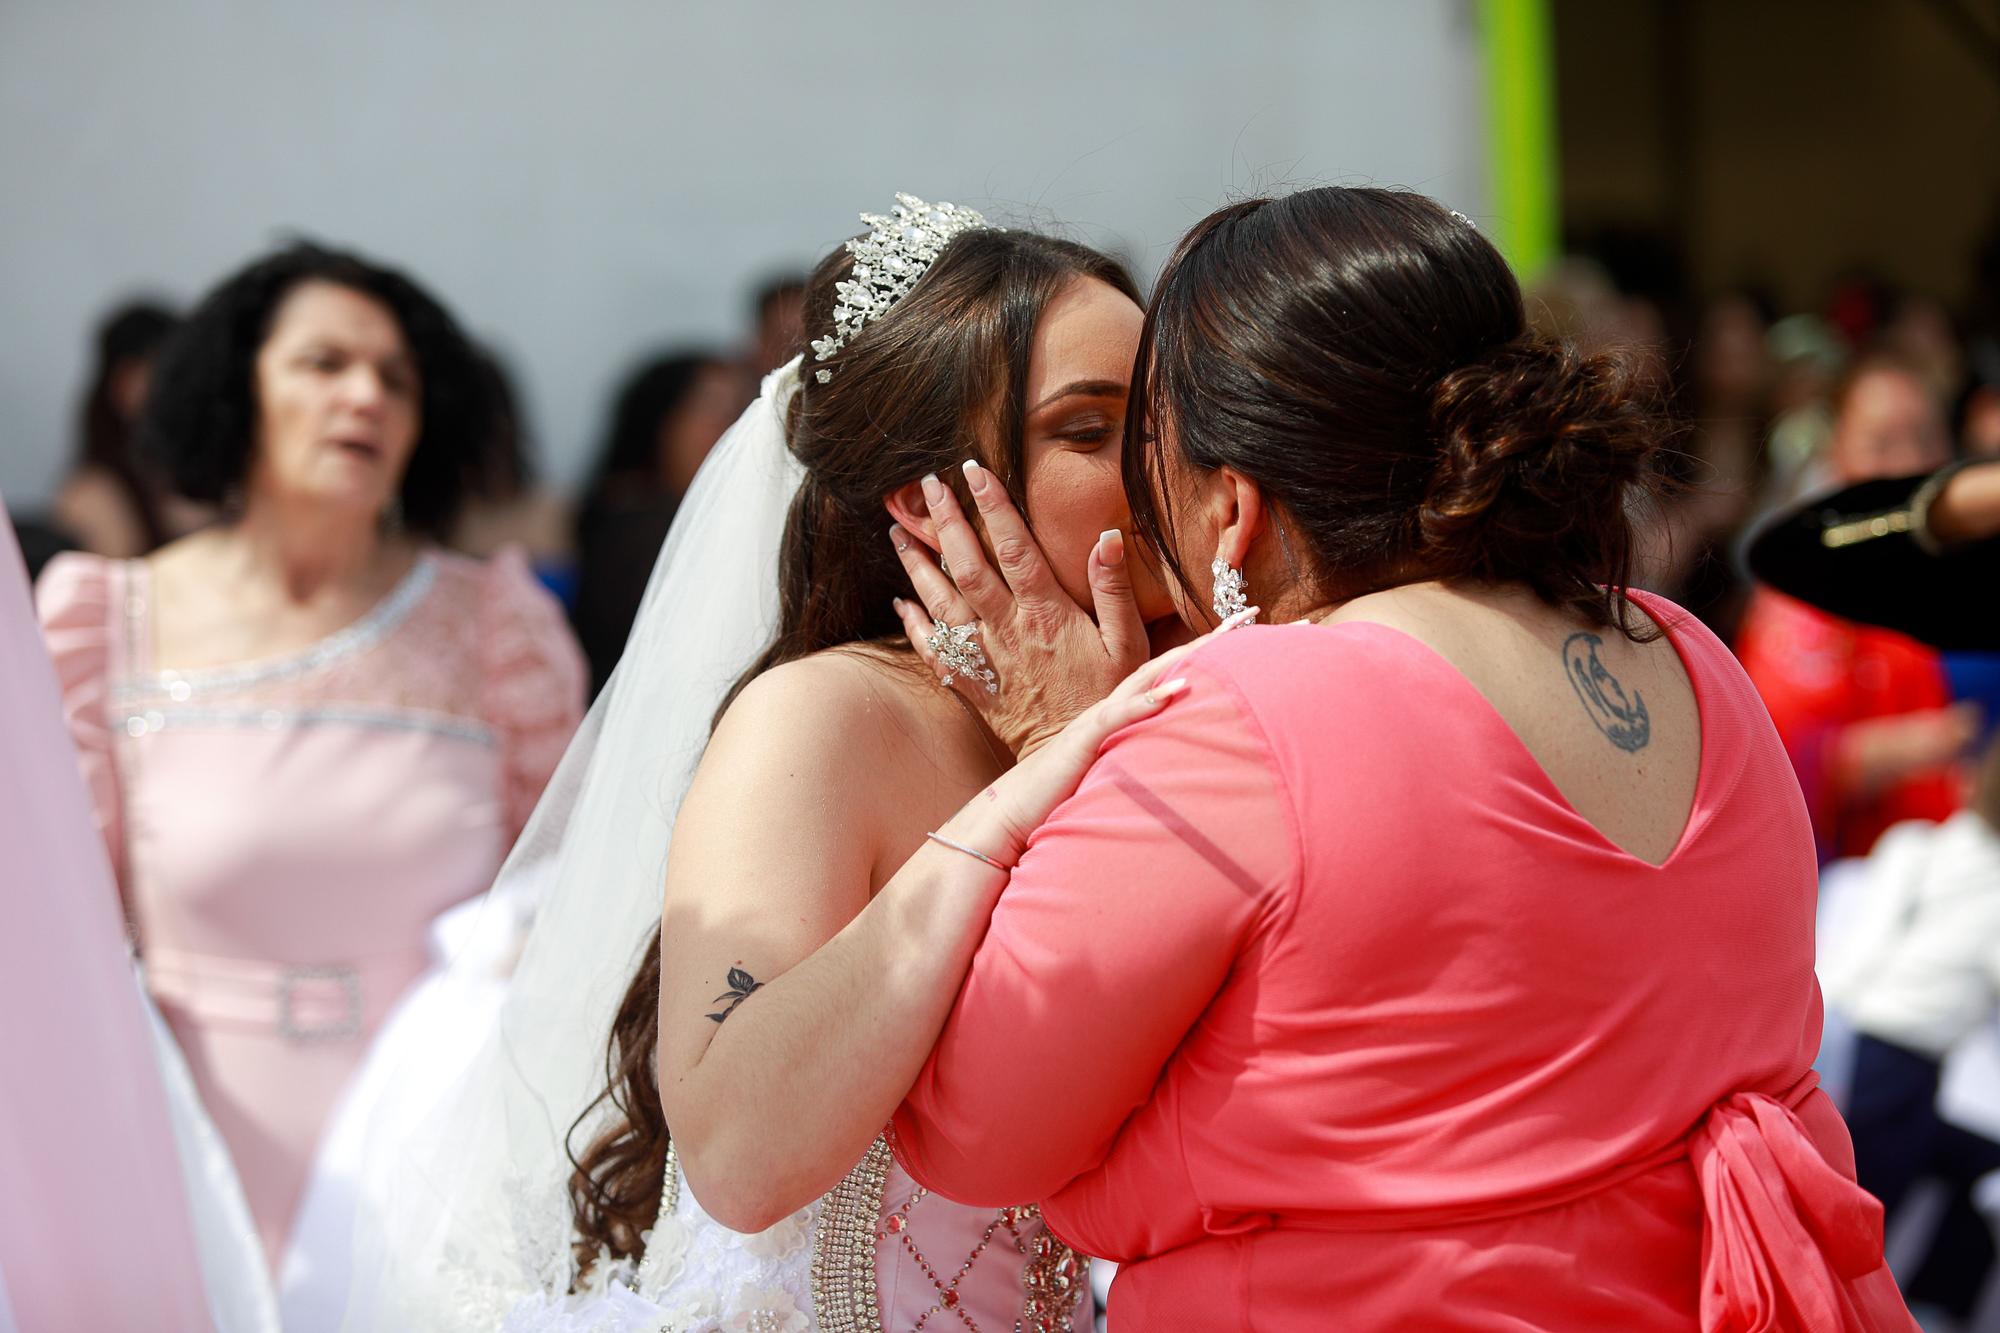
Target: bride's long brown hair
{"points": [[914, 392]]}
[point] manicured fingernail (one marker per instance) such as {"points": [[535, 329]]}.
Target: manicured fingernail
{"points": [[900, 538], [1159, 694], [1243, 617], [1111, 548], [933, 490], [975, 475], [896, 605]]}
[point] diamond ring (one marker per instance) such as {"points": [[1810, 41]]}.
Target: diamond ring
{"points": [[957, 647]]}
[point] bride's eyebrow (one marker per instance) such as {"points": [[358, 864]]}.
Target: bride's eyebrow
{"points": [[1086, 389]]}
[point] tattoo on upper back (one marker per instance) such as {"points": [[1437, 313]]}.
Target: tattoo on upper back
{"points": [[741, 983], [1621, 717]]}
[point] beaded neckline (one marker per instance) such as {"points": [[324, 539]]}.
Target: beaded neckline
{"points": [[357, 636]]}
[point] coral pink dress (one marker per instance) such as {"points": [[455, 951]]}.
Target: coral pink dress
{"points": [[1373, 1031], [284, 831]]}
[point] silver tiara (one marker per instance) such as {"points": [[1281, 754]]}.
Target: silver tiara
{"points": [[887, 263]]}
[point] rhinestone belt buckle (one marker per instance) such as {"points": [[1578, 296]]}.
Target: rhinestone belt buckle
{"points": [[347, 1025]]}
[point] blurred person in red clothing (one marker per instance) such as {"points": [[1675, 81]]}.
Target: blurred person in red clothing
{"points": [[1865, 713]]}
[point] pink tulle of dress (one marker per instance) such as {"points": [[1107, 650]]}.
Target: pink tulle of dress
{"points": [[86, 1148], [1319, 1007], [285, 831]]}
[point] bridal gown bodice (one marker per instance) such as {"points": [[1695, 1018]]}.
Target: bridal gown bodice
{"points": [[877, 1254]]}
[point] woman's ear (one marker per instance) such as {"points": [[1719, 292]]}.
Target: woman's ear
{"points": [[906, 505], [1237, 510]]}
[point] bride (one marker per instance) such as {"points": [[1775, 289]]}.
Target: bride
{"points": [[547, 1191]]}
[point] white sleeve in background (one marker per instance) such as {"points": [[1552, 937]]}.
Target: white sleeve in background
{"points": [[1921, 972]]}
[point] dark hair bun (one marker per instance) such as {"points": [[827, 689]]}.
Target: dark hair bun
{"points": [[1365, 357], [1539, 448]]}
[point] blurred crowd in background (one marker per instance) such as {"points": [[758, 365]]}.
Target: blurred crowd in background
{"points": [[593, 550], [1772, 403]]}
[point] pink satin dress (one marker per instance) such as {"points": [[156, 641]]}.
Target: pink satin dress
{"points": [[284, 831], [1369, 1029]]}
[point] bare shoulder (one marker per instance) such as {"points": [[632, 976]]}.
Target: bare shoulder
{"points": [[825, 748], [192, 561], [840, 698], [196, 548], [832, 715]]}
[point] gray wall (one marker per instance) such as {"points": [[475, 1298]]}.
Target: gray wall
{"points": [[583, 182]]}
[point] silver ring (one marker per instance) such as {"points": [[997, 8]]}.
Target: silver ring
{"points": [[957, 647]]}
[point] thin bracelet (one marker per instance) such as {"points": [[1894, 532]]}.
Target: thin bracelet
{"points": [[1920, 507], [974, 852]]}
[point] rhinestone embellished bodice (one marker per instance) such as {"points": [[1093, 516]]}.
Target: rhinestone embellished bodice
{"points": [[877, 1254]]}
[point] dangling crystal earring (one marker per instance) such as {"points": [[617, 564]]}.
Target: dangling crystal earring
{"points": [[1228, 596]]}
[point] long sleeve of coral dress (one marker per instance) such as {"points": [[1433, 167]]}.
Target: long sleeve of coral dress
{"points": [[284, 831], [1374, 1031]]}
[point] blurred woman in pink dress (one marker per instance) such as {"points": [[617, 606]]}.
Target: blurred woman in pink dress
{"points": [[307, 731]]}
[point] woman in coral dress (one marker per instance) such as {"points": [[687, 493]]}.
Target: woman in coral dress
{"points": [[1449, 949], [307, 732]]}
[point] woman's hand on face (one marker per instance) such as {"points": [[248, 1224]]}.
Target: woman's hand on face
{"points": [[999, 819], [1050, 659]]}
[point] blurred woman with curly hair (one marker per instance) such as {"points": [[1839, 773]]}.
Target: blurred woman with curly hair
{"points": [[307, 730]]}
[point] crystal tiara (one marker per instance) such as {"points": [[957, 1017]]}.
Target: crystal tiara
{"points": [[897, 250]]}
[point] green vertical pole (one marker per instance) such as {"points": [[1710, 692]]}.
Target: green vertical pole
{"points": [[1520, 130]]}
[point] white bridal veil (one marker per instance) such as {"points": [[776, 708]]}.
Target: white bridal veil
{"points": [[463, 1210]]}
